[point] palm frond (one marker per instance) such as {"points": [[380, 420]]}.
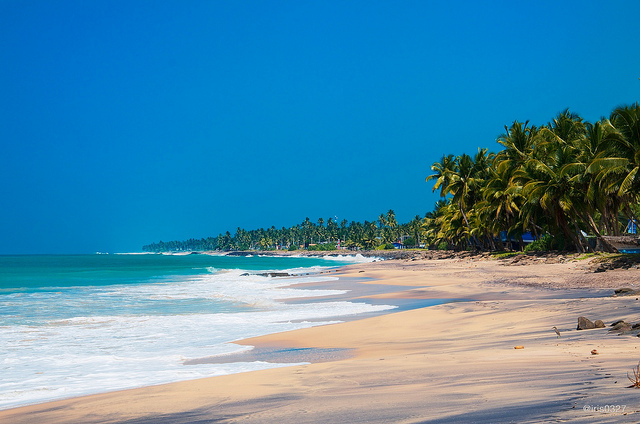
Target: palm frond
{"points": [[627, 182]]}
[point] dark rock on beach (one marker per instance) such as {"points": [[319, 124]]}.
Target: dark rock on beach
{"points": [[617, 262], [626, 291], [240, 253], [585, 324], [275, 274], [269, 274], [620, 326]]}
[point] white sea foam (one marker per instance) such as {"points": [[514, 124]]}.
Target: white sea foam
{"points": [[349, 258], [357, 258], [125, 340]]}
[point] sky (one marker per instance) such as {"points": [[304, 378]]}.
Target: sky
{"points": [[128, 122]]}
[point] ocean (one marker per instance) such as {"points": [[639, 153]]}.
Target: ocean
{"points": [[81, 324]]}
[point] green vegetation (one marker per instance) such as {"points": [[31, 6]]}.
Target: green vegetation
{"points": [[567, 183], [503, 255], [586, 256], [567, 178], [322, 235], [543, 244], [611, 257]]}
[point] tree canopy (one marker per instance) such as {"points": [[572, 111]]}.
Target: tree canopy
{"points": [[570, 180], [323, 232]]}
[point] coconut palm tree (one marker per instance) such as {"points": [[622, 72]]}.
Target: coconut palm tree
{"points": [[617, 165], [466, 181], [415, 227], [552, 177], [502, 202], [442, 173], [518, 142]]}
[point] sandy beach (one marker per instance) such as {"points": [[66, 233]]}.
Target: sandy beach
{"points": [[453, 362]]}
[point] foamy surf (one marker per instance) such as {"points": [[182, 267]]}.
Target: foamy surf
{"points": [[357, 258], [82, 339]]}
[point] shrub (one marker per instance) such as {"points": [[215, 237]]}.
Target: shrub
{"points": [[543, 244], [410, 242], [389, 246], [443, 246], [293, 247]]}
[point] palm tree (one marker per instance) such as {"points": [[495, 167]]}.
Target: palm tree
{"points": [[382, 219], [415, 226], [552, 175], [505, 191], [595, 202], [369, 238], [462, 178], [391, 218], [392, 224], [430, 226], [466, 181], [519, 141], [617, 165], [502, 203], [451, 227], [307, 231], [443, 170]]}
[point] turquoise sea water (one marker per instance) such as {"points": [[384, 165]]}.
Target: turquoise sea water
{"points": [[74, 325]]}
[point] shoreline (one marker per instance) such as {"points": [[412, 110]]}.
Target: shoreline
{"points": [[121, 336], [600, 261], [450, 362]]}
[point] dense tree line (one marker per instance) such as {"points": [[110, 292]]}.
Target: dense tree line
{"points": [[566, 182], [352, 235], [569, 179]]}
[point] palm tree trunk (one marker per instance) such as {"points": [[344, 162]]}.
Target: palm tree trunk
{"points": [[534, 231], [492, 244], [614, 222], [605, 218], [562, 222], [608, 247], [475, 240], [583, 241], [521, 241]]}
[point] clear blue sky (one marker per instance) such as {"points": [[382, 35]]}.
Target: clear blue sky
{"points": [[128, 122]]}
